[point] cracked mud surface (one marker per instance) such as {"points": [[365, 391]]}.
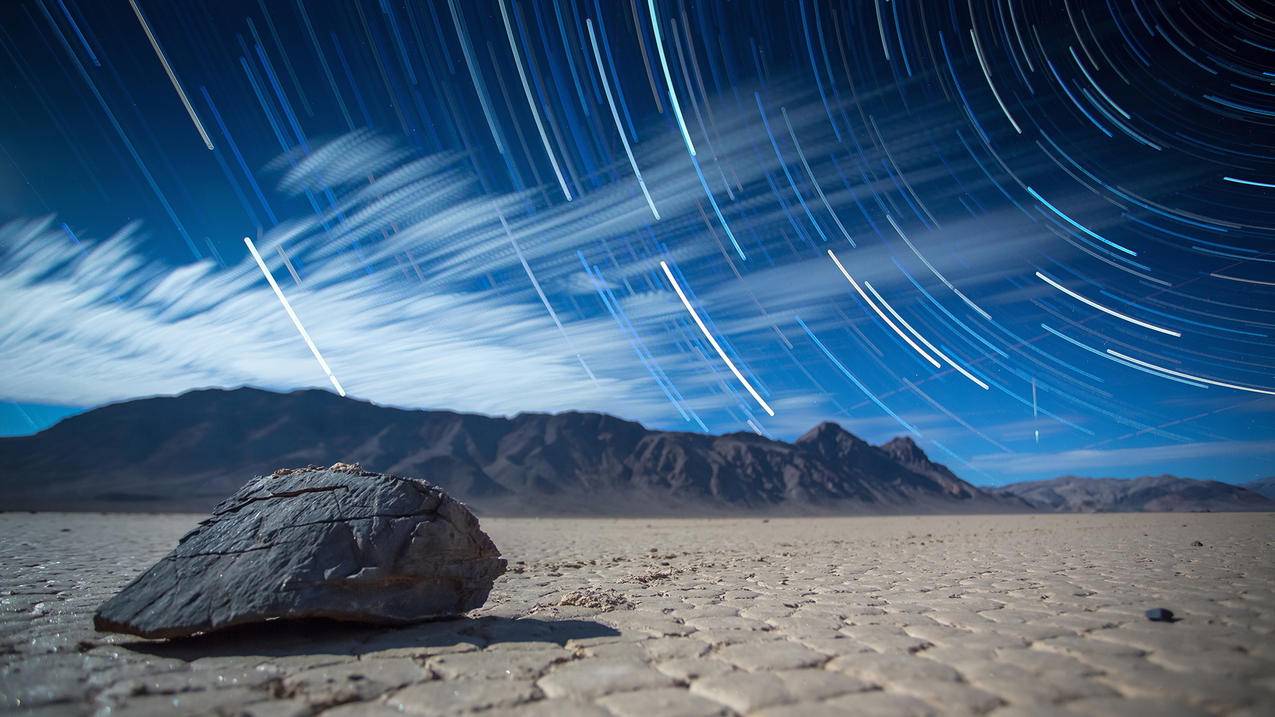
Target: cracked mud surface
{"points": [[1001, 615]]}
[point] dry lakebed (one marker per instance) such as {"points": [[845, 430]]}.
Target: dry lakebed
{"points": [[1000, 615]]}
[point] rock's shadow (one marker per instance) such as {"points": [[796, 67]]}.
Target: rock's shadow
{"points": [[325, 637]]}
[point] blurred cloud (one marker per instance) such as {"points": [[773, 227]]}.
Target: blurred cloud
{"points": [[1119, 460]]}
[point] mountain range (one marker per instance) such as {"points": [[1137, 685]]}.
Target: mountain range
{"points": [[1154, 494], [1264, 486], [187, 452]]}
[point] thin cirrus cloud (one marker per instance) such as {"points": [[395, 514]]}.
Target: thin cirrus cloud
{"points": [[1122, 461], [412, 288], [384, 292], [103, 325]]}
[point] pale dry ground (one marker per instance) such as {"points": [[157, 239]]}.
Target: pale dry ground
{"points": [[1004, 615]]}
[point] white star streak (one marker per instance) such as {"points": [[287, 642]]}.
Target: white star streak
{"points": [[867, 300], [668, 78], [934, 271], [293, 315], [922, 339], [535, 114], [814, 182], [1245, 281], [606, 86], [1250, 182], [713, 342], [288, 263], [535, 283], [1104, 309], [1035, 410], [172, 76], [474, 74], [1201, 379], [988, 76]]}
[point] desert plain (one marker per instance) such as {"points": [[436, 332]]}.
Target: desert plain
{"points": [[1000, 615]]}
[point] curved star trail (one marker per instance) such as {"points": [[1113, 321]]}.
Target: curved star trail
{"points": [[1039, 236]]}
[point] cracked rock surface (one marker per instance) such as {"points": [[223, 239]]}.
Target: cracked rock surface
{"points": [[339, 543]]}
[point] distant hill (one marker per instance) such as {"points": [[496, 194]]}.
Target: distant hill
{"points": [[1153, 494], [1265, 486], [188, 452]]}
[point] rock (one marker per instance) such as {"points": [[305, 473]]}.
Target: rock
{"points": [[338, 543], [1197, 544], [595, 598], [1159, 614]]}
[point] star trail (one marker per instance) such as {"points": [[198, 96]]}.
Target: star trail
{"points": [[1039, 237]]}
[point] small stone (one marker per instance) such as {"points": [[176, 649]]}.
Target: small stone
{"points": [[338, 543], [1197, 544], [1159, 614], [594, 598]]}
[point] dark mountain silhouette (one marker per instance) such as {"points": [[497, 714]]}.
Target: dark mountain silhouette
{"points": [[1265, 486], [188, 452], [1164, 493]]}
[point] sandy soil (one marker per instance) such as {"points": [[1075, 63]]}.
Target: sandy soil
{"points": [[1001, 615]]}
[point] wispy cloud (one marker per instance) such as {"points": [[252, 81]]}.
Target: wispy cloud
{"points": [[101, 324], [1119, 460], [410, 286], [419, 286]]}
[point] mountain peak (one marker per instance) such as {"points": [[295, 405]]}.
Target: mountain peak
{"points": [[826, 431], [905, 450], [904, 441]]}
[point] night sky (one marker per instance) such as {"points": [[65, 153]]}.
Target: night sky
{"points": [[1037, 236]]}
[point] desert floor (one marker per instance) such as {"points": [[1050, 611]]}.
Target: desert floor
{"points": [[1000, 615]]}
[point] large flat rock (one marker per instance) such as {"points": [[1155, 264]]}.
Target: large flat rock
{"points": [[339, 543]]}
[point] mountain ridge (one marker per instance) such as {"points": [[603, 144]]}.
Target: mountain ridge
{"points": [[1263, 486], [186, 452], [1162, 493]]}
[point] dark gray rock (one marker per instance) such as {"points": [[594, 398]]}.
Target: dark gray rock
{"points": [[339, 543], [1159, 614]]}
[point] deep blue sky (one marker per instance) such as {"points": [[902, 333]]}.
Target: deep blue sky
{"points": [[1052, 222]]}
